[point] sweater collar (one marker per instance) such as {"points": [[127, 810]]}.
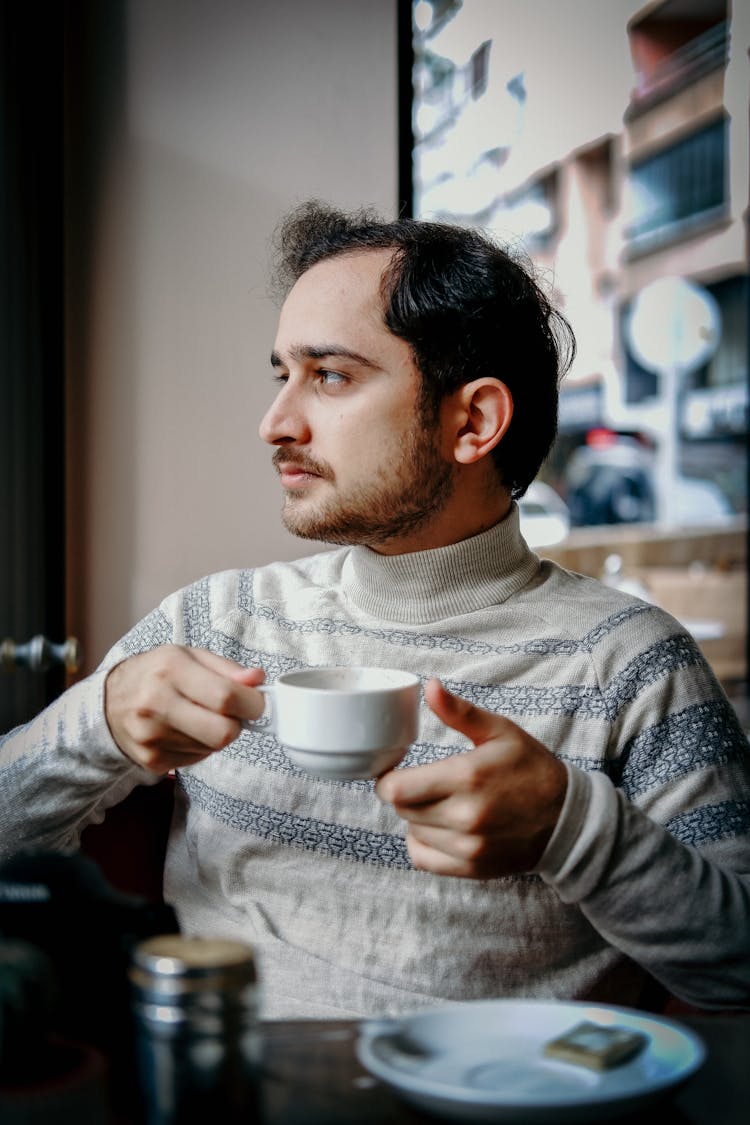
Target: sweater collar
{"points": [[434, 585]]}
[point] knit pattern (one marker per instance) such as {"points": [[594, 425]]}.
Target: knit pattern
{"points": [[316, 873]]}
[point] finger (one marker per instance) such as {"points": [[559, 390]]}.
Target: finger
{"points": [[179, 724], [249, 676], [161, 759], [426, 858], [203, 679], [448, 841], [420, 785], [461, 813], [461, 715], [198, 729]]}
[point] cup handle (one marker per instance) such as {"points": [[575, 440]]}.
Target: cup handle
{"points": [[255, 724]]}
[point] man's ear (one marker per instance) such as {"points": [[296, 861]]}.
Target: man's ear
{"points": [[483, 410]]}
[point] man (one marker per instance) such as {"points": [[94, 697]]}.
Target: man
{"points": [[576, 811]]}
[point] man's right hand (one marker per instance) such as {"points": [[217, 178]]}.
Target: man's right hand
{"points": [[172, 706]]}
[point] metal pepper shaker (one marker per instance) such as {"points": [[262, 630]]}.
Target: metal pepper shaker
{"points": [[195, 1005]]}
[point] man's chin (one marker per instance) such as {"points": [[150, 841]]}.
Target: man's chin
{"points": [[320, 530], [305, 527], [309, 533]]}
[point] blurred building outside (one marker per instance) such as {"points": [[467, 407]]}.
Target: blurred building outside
{"points": [[608, 142]]}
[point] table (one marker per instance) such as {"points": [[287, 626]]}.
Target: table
{"points": [[312, 1077]]}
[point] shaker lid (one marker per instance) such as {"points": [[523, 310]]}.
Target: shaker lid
{"points": [[184, 964]]}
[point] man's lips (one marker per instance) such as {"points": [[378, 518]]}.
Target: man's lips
{"points": [[294, 474], [291, 475]]}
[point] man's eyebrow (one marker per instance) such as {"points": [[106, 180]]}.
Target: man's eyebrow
{"points": [[322, 351]]}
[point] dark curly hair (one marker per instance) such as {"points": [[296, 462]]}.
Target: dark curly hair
{"points": [[466, 308]]}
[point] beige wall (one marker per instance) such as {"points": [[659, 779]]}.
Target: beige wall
{"points": [[229, 112]]}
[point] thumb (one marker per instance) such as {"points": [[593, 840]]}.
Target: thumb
{"points": [[461, 715]]}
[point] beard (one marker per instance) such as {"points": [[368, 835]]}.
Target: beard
{"points": [[398, 500]]}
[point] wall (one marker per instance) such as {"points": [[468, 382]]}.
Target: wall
{"points": [[219, 115]]}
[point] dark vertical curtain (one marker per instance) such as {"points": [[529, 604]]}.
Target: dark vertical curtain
{"points": [[32, 579], [405, 63]]}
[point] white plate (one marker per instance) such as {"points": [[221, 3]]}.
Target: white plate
{"points": [[484, 1061]]}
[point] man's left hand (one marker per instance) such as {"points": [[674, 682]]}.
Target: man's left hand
{"points": [[487, 812]]}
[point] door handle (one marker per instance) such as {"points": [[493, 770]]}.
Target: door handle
{"points": [[39, 654]]}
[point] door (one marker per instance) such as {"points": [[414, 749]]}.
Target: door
{"points": [[32, 493]]}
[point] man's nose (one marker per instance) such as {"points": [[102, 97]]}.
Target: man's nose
{"points": [[284, 422]]}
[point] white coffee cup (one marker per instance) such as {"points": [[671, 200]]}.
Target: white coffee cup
{"points": [[344, 722]]}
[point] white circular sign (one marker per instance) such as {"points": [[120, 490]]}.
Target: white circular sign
{"points": [[674, 324]]}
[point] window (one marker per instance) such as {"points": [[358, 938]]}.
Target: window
{"points": [[669, 54], [679, 187], [728, 367]]}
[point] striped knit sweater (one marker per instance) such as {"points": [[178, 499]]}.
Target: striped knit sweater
{"points": [[643, 872]]}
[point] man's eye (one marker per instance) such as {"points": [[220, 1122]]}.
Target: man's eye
{"points": [[331, 377], [279, 378]]}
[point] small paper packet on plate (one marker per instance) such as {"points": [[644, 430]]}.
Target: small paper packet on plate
{"points": [[598, 1047]]}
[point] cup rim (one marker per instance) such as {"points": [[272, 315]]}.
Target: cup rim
{"points": [[405, 679]]}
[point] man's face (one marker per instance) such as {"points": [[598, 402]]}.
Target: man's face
{"points": [[359, 461]]}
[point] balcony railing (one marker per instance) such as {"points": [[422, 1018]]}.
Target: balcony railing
{"points": [[683, 66]]}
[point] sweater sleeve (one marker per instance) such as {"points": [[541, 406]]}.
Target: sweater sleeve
{"points": [[680, 911], [63, 770], [653, 843]]}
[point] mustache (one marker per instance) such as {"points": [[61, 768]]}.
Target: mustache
{"points": [[282, 458]]}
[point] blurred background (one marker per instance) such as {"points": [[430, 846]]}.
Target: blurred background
{"points": [[149, 147], [608, 143]]}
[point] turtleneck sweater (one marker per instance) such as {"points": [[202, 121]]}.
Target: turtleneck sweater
{"points": [[646, 869]]}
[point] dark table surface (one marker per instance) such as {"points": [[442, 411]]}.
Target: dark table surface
{"points": [[312, 1077]]}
